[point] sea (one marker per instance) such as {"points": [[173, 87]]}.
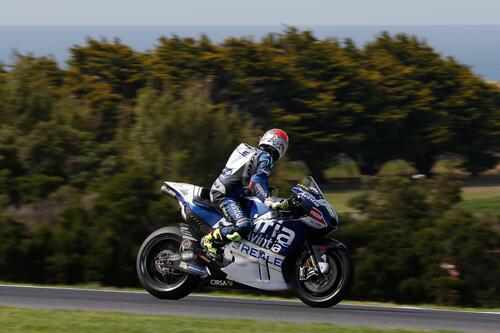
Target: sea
{"points": [[477, 46]]}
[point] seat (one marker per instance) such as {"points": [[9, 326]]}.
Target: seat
{"points": [[202, 197]]}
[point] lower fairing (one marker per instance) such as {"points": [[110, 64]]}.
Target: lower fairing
{"points": [[255, 266]]}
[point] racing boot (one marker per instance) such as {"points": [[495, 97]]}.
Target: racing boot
{"points": [[213, 242]]}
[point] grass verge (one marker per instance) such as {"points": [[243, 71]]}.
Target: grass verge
{"points": [[22, 320], [480, 199], [475, 199], [339, 200]]}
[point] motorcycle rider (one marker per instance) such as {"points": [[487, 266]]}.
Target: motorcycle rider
{"points": [[248, 168]]}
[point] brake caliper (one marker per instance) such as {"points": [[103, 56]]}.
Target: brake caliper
{"points": [[307, 271]]}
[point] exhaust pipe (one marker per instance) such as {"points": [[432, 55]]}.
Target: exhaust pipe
{"points": [[165, 189]]}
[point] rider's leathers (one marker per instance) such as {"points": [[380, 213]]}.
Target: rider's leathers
{"points": [[247, 168]]}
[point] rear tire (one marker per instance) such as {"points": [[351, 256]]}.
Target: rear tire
{"points": [[171, 285], [331, 287]]}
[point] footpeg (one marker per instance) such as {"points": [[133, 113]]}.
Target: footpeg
{"points": [[214, 257]]}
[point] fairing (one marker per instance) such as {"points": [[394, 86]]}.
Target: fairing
{"points": [[320, 214], [259, 260]]}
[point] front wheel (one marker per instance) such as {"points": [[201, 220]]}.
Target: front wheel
{"points": [[326, 289], [163, 282]]}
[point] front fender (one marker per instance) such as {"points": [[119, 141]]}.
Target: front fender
{"points": [[318, 246], [327, 244]]}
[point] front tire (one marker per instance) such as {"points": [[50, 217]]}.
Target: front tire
{"points": [[167, 284], [327, 289]]}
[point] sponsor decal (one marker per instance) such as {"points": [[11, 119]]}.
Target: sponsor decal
{"points": [[308, 196], [271, 235], [187, 244], [260, 254], [196, 269], [227, 171], [316, 215], [192, 268], [236, 209], [221, 283]]}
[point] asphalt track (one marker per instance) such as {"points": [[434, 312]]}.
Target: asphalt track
{"points": [[229, 307]]}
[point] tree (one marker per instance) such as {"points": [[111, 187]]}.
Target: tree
{"points": [[112, 62], [187, 139], [13, 257], [106, 77], [30, 90], [10, 164], [175, 62], [330, 99], [50, 149], [411, 246], [432, 105], [70, 243], [122, 217]]}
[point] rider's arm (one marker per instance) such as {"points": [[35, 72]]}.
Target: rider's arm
{"points": [[259, 181]]}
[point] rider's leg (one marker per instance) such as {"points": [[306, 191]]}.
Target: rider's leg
{"points": [[239, 226], [240, 223]]}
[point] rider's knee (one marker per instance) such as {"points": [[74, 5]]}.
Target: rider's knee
{"points": [[217, 197], [243, 226]]}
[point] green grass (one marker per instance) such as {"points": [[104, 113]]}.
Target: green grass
{"points": [[21, 320], [339, 200], [475, 199], [480, 199], [392, 168], [349, 169]]}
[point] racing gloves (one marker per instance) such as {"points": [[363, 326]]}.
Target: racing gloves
{"points": [[277, 203]]}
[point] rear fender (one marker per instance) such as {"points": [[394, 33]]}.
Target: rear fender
{"points": [[185, 194], [181, 191]]}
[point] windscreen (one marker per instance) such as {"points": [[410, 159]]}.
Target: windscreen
{"points": [[309, 183]]}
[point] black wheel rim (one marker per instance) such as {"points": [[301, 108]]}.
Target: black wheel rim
{"points": [[158, 248], [327, 285]]}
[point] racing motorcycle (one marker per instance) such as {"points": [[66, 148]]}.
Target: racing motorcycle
{"points": [[285, 250]]}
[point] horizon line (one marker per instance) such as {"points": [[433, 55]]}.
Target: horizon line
{"points": [[251, 25]]}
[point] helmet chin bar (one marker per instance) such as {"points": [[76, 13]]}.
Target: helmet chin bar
{"points": [[274, 154]]}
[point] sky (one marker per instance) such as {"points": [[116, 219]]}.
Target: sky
{"points": [[249, 12]]}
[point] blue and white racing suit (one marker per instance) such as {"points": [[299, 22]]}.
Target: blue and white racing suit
{"points": [[247, 168]]}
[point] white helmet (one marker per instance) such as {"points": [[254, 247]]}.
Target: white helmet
{"points": [[277, 140]]}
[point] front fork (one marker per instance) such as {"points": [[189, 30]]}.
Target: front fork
{"points": [[318, 261]]}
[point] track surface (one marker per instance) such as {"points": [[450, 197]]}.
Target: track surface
{"points": [[141, 302]]}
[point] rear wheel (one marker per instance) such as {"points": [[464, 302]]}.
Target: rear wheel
{"points": [[325, 289], [159, 281]]}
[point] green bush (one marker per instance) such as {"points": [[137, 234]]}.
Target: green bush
{"points": [[410, 246]]}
